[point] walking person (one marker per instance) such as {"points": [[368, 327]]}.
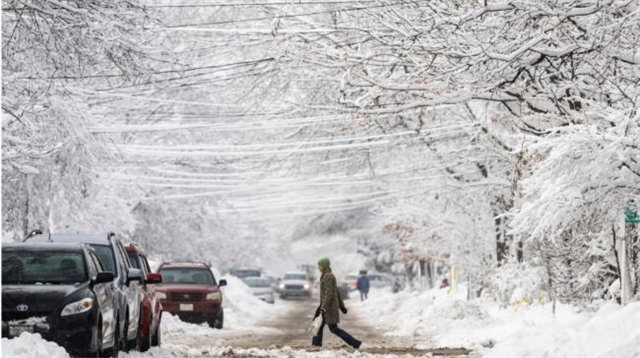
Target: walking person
{"points": [[330, 305], [363, 285]]}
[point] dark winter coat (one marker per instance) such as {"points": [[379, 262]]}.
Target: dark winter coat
{"points": [[330, 300], [363, 284]]}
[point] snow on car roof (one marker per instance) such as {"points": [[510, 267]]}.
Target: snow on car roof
{"points": [[70, 238]]}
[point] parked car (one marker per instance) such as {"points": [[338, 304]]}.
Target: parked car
{"points": [[149, 332], [244, 273], [296, 284], [62, 292], [261, 288], [190, 291], [113, 257]]}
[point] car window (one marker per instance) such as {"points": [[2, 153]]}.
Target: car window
{"points": [[133, 259], [123, 254], [295, 276], [257, 282], [107, 258], [91, 266], [145, 264], [33, 267], [96, 262], [122, 261], [185, 275]]}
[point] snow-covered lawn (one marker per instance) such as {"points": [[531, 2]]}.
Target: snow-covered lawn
{"points": [[445, 318]]}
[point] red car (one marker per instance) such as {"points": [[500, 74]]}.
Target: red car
{"points": [[149, 330], [190, 291]]}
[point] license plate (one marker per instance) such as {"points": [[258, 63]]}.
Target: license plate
{"points": [[15, 331], [186, 307]]}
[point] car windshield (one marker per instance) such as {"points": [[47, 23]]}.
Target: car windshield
{"points": [[32, 267], [105, 254], [257, 282], [196, 276], [295, 276], [133, 258], [245, 273]]}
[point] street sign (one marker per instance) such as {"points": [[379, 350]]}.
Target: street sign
{"points": [[631, 213]]}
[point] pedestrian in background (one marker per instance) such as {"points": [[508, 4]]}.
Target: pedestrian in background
{"points": [[363, 285], [330, 305]]}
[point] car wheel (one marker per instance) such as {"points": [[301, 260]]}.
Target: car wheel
{"points": [[156, 339], [219, 323], [98, 352], [115, 350], [136, 343]]}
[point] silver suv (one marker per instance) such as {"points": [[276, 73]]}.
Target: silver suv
{"points": [[295, 284]]}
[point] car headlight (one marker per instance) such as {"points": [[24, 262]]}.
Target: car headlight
{"points": [[214, 296], [306, 286], [282, 286], [81, 306], [161, 295]]}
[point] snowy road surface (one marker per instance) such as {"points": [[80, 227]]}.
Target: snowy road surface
{"points": [[284, 335]]}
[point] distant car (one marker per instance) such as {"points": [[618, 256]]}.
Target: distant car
{"points": [[295, 284], [190, 291], [261, 288], [150, 334], [273, 282], [343, 289], [62, 292], [244, 273], [114, 258]]}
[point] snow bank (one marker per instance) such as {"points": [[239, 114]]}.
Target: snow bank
{"points": [[445, 318], [29, 345], [241, 307]]}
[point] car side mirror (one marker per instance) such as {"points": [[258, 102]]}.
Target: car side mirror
{"points": [[134, 275], [103, 277], [154, 277], [222, 283]]}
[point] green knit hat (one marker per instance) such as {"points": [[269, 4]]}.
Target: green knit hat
{"points": [[324, 263]]}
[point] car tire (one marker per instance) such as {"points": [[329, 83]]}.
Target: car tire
{"points": [[114, 351], [138, 342], [156, 339], [219, 323], [216, 322], [98, 353]]}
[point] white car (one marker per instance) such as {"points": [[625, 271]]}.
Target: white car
{"points": [[295, 284], [261, 288]]}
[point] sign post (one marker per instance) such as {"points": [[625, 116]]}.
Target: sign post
{"points": [[628, 280]]}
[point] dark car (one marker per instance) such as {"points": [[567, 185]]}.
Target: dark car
{"points": [[62, 292], [114, 258], [151, 307], [244, 273], [190, 291]]}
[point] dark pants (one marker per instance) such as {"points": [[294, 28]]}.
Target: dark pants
{"points": [[363, 295], [317, 340]]}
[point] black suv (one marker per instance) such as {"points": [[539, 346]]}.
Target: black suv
{"points": [[60, 291], [114, 258]]}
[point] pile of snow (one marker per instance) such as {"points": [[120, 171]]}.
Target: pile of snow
{"points": [[29, 345], [444, 318], [241, 308]]}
